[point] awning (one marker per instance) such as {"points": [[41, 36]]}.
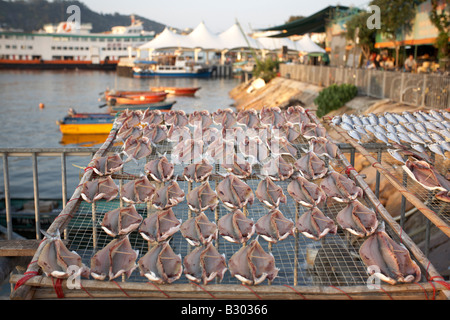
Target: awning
{"points": [[315, 23]]}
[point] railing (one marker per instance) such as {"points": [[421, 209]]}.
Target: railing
{"points": [[417, 89], [34, 153]]}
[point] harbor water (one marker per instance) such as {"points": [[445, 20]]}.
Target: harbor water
{"points": [[25, 124]]}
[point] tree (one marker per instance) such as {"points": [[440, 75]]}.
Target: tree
{"points": [[357, 27], [440, 17], [396, 20]]}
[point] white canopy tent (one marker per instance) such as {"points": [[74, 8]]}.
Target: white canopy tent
{"points": [[305, 44], [233, 38], [167, 39], [202, 37]]}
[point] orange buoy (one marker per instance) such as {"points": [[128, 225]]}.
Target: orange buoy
{"points": [[41, 106]]}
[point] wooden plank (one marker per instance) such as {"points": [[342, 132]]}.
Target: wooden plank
{"points": [[20, 248]]}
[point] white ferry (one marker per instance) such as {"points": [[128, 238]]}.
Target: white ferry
{"points": [[63, 46]]}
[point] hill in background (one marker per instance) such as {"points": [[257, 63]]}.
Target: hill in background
{"points": [[32, 15]]}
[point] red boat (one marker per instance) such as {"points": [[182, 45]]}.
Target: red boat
{"points": [[178, 91], [135, 97]]}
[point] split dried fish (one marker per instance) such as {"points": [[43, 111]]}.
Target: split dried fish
{"points": [[121, 221], [101, 188], [426, 175], [203, 264], [115, 259], [234, 193], [270, 194], [159, 226], [198, 172], [252, 265], [198, 230], [357, 219], [315, 225], [277, 169], [168, 196], [107, 165], [340, 188], [176, 118], [305, 192], [311, 166], [159, 169], [138, 190], [274, 226], [235, 227], [160, 264], [393, 261], [202, 198]]}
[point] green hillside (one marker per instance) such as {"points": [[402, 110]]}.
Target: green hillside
{"points": [[32, 15]]}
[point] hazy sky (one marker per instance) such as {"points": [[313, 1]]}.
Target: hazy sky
{"points": [[217, 15]]}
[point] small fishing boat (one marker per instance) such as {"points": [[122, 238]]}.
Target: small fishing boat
{"points": [[136, 98], [180, 68], [178, 91], [86, 123], [164, 106]]}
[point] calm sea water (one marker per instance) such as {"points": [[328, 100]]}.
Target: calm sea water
{"points": [[24, 124]]}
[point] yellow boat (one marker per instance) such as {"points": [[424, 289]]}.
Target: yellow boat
{"points": [[86, 124]]}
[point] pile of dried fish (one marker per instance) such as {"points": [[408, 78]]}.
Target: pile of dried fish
{"points": [[416, 140]]}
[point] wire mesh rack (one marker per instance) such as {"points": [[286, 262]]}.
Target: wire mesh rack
{"points": [[332, 261]]}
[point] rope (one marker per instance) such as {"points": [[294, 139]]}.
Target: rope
{"points": [[304, 298], [386, 293], [204, 290], [121, 288], [167, 296], [342, 292], [27, 275], [252, 291], [58, 288], [90, 295]]}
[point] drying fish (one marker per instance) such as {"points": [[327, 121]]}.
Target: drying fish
{"points": [[207, 135], [200, 119], [323, 147], [355, 135], [282, 146], [445, 145], [117, 258], [126, 132], [336, 120], [418, 147], [178, 134], [346, 118], [437, 115], [404, 137], [121, 221], [410, 117], [401, 128], [107, 165], [226, 118], [273, 117], [136, 149], [392, 259], [236, 227], [202, 198], [395, 153], [248, 118], [393, 137], [425, 137], [340, 188], [176, 118], [311, 166], [130, 118], [198, 172], [274, 226], [156, 133], [152, 117], [357, 219], [312, 130], [186, 151], [356, 120], [101, 188], [168, 196], [315, 225], [254, 149], [391, 118], [159, 226], [204, 264], [199, 230], [270, 194], [382, 137], [160, 169], [416, 138], [289, 131], [297, 115], [426, 175], [220, 151], [234, 193], [252, 265], [240, 167], [160, 264], [277, 169], [437, 149], [346, 126], [437, 137], [306, 193], [56, 260], [138, 190]]}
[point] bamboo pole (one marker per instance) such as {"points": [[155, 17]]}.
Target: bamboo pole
{"points": [[133, 290], [64, 217]]}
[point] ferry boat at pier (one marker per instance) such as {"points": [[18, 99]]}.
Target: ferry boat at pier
{"points": [[62, 46]]}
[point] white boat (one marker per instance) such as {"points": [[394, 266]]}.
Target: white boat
{"points": [[182, 67], [64, 46]]}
